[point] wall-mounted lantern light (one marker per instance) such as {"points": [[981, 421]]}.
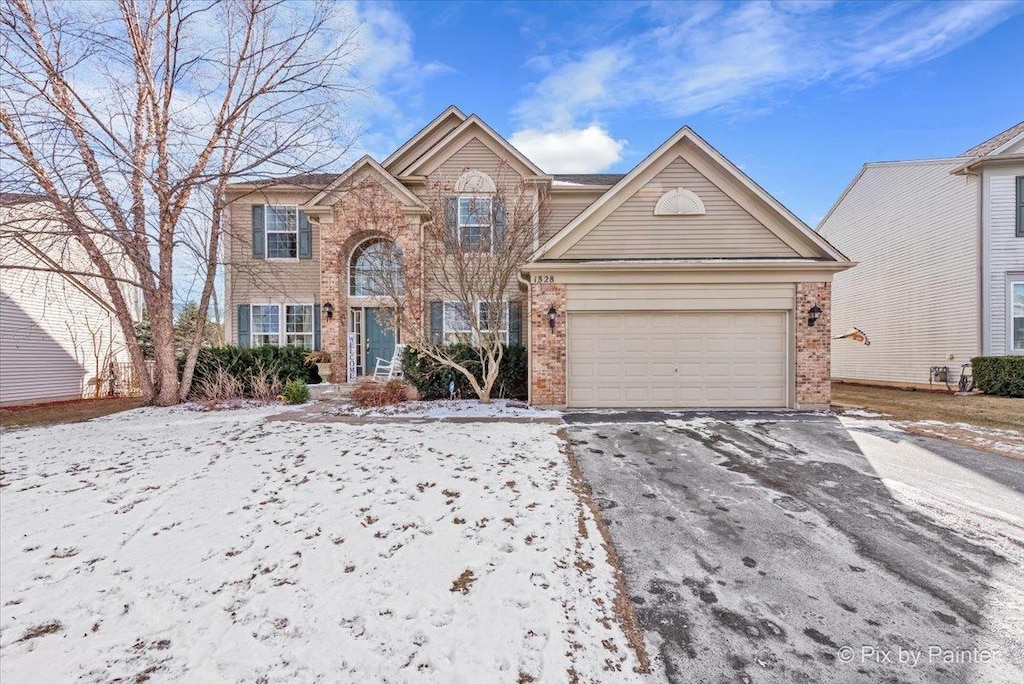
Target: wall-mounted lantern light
{"points": [[551, 317], [813, 315], [328, 310]]}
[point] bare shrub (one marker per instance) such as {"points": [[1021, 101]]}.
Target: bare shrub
{"points": [[370, 394], [219, 386], [264, 383]]}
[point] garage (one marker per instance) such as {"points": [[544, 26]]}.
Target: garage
{"points": [[678, 359]]}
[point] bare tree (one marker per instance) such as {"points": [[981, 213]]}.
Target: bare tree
{"points": [[469, 265], [138, 113]]}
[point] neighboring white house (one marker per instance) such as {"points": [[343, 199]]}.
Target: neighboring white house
{"points": [[58, 333], [940, 247]]}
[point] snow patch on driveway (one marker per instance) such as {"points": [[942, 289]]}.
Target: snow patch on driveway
{"points": [[184, 546]]}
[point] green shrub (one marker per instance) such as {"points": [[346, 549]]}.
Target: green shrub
{"points": [[250, 367], [296, 392], [999, 375], [431, 379]]}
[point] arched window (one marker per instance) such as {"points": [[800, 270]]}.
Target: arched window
{"points": [[376, 269]]}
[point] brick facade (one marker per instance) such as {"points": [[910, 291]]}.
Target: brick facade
{"points": [[339, 238], [547, 346], [813, 346]]}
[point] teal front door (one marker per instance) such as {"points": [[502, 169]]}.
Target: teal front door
{"points": [[379, 338]]}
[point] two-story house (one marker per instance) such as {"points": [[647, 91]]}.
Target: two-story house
{"points": [[940, 247], [680, 284]]}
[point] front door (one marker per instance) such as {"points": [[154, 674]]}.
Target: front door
{"points": [[379, 338]]}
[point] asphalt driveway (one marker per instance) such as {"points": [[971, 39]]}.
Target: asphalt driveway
{"points": [[783, 547]]}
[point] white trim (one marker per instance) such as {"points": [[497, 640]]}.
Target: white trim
{"points": [[679, 202], [424, 132], [473, 119], [282, 323], [409, 200], [459, 225], [1012, 281], [267, 231], [566, 235]]}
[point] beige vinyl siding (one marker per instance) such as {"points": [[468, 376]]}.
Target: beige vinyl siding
{"points": [[259, 281], [726, 230], [678, 359], [1005, 251], [472, 155], [668, 297], [912, 228], [562, 208]]}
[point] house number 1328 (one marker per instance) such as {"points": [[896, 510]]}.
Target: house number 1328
{"points": [[543, 279]]}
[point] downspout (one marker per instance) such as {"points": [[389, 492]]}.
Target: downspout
{"points": [[529, 336]]}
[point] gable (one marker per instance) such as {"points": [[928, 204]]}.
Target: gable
{"points": [[727, 214], [472, 129], [363, 171], [431, 134], [475, 155], [633, 230]]}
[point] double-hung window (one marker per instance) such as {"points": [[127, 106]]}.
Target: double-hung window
{"points": [[298, 325], [475, 224], [1017, 315], [266, 324], [282, 232], [458, 327], [282, 324]]}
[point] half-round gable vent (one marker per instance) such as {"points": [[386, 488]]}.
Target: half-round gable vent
{"points": [[679, 202], [476, 182]]}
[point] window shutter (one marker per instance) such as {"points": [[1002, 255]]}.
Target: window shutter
{"points": [[1020, 206], [316, 326], [243, 325], [515, 323], [437, 323], [499, 223], [305, 237], [258, 225], [451, 211]]}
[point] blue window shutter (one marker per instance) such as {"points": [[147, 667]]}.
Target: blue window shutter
{"points": [[316, 326], [451, 213], [437, 323], [243, 325], [499, 223], [515, 323], [305, 237], [258, 225]]}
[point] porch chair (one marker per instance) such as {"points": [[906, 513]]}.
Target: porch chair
{"points": [[389, 370]]}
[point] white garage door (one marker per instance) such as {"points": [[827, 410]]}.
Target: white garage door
{"points": [[677, 359]]}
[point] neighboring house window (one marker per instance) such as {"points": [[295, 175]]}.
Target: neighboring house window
{"points": [[266, 324], [282, 232], [1017, 315], [298, 325], [376, 269], [474, 225], [1020, 206]]}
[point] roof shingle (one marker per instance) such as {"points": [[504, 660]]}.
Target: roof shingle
{"points": [[995, 142]]}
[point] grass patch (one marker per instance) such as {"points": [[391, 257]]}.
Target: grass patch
{"points": [[75, 411], [1004, 413]]}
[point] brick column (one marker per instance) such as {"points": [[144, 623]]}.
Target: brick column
{"points": [[813, 346], [334, 238], [547, 346]]}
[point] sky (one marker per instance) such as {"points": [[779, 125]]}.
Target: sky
{"points": [[798, 94]]}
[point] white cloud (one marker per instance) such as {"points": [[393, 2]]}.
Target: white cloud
{"points": [[573, 150], [699, 57]]}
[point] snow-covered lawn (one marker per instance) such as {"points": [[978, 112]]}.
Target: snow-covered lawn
{"points": [[176, 545], [444, 408]]}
